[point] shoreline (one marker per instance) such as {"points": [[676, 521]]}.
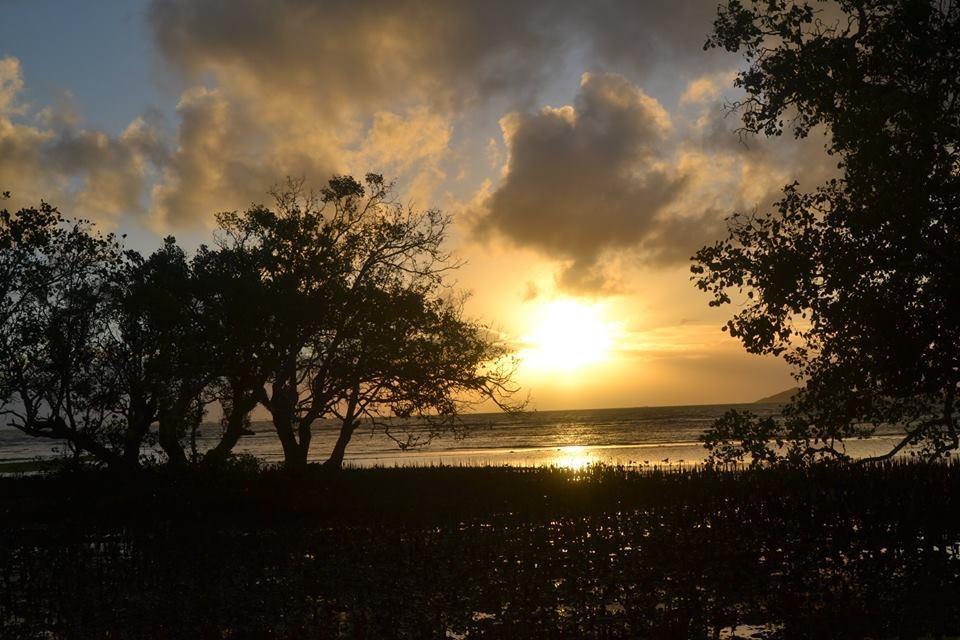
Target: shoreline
{"points": [[575, 456]]}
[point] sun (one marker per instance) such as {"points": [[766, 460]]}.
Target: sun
{"points": [[567, 335]]}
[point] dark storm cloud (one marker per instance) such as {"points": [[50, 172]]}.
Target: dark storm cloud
{"points": [[309, 87], [586, 178], [615, 177], [344, 51], [288, 66]]}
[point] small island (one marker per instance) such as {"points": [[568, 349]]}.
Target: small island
{"points": [[782, 397]]}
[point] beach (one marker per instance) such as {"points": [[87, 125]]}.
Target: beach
{"points": [[633, 437]]}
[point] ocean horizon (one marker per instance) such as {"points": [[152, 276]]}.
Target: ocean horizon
{"points": [[635, 436]]}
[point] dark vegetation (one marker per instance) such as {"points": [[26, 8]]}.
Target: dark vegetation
{"points": [[826, 551], [329, 305], [855, 281]]}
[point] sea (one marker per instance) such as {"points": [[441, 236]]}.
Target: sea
{"points": [[638, 436]]}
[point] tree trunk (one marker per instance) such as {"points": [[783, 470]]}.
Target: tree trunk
{"points": [[131, 445], [305, 435], [137, 427], [298, 462], [282, 405], [292, 451], [170, 441], [241, 406], [335, 461], [231, 435]]}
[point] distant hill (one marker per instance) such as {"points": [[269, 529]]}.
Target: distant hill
{"points": [[779, 398]]}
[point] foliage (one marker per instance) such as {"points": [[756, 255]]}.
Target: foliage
{"points": [[855, 283], [361, 320], [166, 348], [238, 310], [55, 276], [330, 305]]}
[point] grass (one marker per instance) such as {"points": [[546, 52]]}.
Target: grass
{"points": [[14, 467], [495, 552]]}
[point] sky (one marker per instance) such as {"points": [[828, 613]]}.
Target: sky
{"points": [[584, 149]]}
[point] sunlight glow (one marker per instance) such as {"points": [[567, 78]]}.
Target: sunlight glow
{"points": [[567, 335], [574, 457]]}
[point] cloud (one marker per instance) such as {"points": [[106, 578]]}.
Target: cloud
{"points": [[311, 87], [11, 84], [708, 88], [531, 291], [586, 179], [753, 169], [48, 154], [336, 54], [227, 155], [412, 144], [229, 152], [614, 180], [345, 86]]}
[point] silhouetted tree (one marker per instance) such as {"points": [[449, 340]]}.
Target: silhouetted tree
{"points": [[856, 283], [287, 254], [240, 317], [98, 343], [166, 350], [409, 362], [352, 281], [55, 382], [328, 306]]}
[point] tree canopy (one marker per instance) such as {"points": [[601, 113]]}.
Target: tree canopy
{"points": [[854, 282], [328, 305], [362, 322], [55, 278]]}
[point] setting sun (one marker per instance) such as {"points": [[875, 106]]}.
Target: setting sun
{"points": [[567, 335]]}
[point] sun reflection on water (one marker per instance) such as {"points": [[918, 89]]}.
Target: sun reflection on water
{"points": [[573, 457]]}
